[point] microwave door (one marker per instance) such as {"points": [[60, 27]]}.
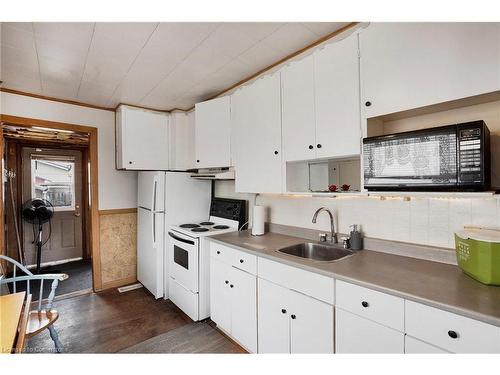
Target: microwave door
{"points": [[425, 159]]}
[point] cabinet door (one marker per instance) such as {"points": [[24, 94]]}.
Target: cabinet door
{"points": [[244, 308], [145, 140], [299, 131], [256, 120], [336, 77], [414, 346], [411, 65], [274, 318], [220, 296], [354, 334], [213, 133], [311, 325], [181, 135]]}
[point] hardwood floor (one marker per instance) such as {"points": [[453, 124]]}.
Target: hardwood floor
{"points": [[110, 322]]}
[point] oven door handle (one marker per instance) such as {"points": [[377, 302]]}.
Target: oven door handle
{"points": [[180, 239]]}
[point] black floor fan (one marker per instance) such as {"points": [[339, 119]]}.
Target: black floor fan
{"points": [[38, 212]]}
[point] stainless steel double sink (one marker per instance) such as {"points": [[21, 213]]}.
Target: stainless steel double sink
{"points": [[317, 251]]}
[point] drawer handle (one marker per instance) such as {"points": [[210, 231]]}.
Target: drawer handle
{"points": [[283, 311], [227, 281], [241, 260], [365, 304], [218, 252], [293, 316], [453, 334]]}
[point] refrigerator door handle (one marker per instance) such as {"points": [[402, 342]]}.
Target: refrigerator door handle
{"points": [[154, 229], [154, 194]]}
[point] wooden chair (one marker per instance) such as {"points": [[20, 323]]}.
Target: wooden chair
{"points": [[44, 316]]}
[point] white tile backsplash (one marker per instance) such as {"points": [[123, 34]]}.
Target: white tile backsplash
{"points": [[484, 212], [427, 221]]}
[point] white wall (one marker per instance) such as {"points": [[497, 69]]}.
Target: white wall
{"points": [[117, 189]]}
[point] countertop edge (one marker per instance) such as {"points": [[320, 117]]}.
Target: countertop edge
{"points": [[433, 303]]}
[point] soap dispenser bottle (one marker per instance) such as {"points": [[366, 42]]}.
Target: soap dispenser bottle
{"points": [[356, 239]]}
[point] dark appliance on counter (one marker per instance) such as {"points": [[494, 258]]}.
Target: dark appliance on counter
{"points": [[446, 158]]}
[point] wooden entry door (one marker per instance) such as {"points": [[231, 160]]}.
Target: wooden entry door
{"points": [[55, 175]]}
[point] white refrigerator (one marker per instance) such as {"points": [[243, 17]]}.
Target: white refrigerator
{"points": [[164, 199]]}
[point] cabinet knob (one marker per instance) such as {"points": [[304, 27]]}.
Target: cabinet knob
{"points": [[311, 147], [227, 281], [241, 260], [231, 286], [198, 160], [293, 316], [318, 145], [218, 252], [453, 334], [275, 152], [364, 304], [130, 162], [283, 311], [367, 104]]}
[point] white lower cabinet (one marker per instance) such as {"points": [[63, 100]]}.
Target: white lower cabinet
{"points": [[414, 346], [354, 334], [274, 319], [290, 322], [452, 332], [233, 302], [270, 307]]}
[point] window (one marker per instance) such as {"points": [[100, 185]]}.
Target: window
{"points": [[54, 180]]}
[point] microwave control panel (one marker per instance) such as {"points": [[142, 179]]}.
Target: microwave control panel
{"points": [[470, 163]]}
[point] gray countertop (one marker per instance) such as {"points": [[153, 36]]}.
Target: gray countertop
{"points": [[440, 285]]}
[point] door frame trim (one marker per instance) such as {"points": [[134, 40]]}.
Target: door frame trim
{"points": [[93, 221]]}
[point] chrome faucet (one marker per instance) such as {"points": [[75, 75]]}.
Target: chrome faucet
{"points": [[333, 235]]}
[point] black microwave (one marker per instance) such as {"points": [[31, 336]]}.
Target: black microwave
{"points": [[445, 158]]}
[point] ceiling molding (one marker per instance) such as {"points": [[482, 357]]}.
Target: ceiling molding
{"points": [[283, 60], [50, 98]]}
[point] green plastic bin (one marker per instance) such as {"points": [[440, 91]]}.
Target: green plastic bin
{"points": [[478, 254]]}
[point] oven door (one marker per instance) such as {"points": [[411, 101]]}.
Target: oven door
{"points": [[184, 260]]}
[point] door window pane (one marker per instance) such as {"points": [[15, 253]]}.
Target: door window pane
{"points": [[54, 181]]}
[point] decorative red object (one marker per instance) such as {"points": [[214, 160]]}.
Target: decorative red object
{"points": [[332, 188], [345, 187]]}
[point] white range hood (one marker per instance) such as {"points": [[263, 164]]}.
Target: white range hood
{"points": [[214, 174]]}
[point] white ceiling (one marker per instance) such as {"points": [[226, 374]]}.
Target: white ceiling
{"points": [[157, 65]]}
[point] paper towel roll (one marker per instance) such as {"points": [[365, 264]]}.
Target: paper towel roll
{"points": [[259, 219]]}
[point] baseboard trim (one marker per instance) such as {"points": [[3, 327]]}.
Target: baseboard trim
{"points": [[118, 283]]}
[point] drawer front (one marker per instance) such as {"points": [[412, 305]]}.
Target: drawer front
{"points": [[414, 346], [244, 261], [309, 283], [354, 334], [449, 331], [221, 252], [379, 307]]}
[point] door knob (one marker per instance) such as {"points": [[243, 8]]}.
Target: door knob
{"points": [[77, 214]]}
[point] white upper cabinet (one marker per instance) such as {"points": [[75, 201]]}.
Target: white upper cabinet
{"points": [[213, 133], [336, 82], [412, 65], [321, 113], [256, 144], [299, 130], [181, 135], [142, 141]]}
